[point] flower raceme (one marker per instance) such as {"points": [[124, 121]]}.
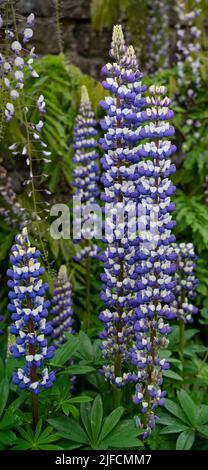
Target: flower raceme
{"points": [[62, 310], [29, 311], [14, 59], [120, 178], [85, 174], [138, 282], [186, 282]]}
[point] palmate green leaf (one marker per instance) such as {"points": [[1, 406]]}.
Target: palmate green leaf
{"points": [[7, 437], [175, 409], [174, 428], [49, 447], [185, 440], [96, 417], [86, 349], [110, 422], [46, 437], [27, 434], [67, 409], [188, 406], [38, 430], [9, 420], [21, 444], [201, 415], [203, 429], [124, 436], [78, 369], [65, 352], [170, 374], [80, 399], [168, 419], [4, 393], [85, 413], [69, 429]]}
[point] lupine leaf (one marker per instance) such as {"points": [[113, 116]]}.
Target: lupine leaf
{"points": [[185, 440], [187, 405], [96, 417]]}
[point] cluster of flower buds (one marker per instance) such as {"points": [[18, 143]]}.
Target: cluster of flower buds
{"points": [[62, 310], [186, 282], [29, 311], [158, 40], [14, 59], [86, 171], [188, 44]]}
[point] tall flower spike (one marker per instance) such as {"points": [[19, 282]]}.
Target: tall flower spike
{"points": [[85, 174], [157, 283], [62, 310], [122, 125], [29, 312], [186, 282]]}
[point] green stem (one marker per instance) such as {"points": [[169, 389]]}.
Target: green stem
{"points": [[35, 413], [117, 395], [88, 286]]}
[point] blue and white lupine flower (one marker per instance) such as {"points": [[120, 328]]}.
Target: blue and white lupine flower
{"points": [[157, 284], [29, 311], [62, 309], [186, 282], [86, 171], [122, 126]]}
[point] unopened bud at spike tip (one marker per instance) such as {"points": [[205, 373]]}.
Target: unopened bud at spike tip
{"points": [[84, 96]]}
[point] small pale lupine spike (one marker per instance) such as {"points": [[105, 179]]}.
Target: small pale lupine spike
{"points": [[156, 285], [13, 58], [188, 44], [158, 36], [29, 311], [86, 171], [62, 310], [186, 282], [122, 125]]}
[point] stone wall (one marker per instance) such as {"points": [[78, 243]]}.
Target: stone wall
{"points": [[86, 48]]}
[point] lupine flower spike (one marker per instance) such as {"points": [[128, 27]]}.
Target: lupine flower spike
{"points": [[186, 282], [85, 176], [157, 283], [185, 290], [122, 126], [29, 311], [62, 310], [14, 60]]}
